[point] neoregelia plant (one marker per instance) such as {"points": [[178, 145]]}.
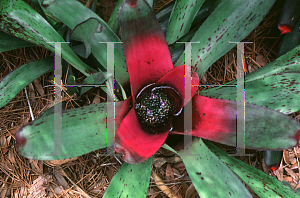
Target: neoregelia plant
{"points": [[157, 89]]}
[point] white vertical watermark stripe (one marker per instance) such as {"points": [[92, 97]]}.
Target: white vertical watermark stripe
{"points": [[240, 113], [57, 102], [188, 107]]}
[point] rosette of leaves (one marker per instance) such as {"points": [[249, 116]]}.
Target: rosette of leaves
{"points": [[271, 92]]}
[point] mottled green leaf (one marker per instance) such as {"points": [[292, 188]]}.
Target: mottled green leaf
{"points": [[15, 81], [206, 170], [22, 21], [83, 130], [164, 14], [232, 20], [276, 85], [72, 13], [131, 180], [182, 18], [262, 184], [8, 42], [113, 21], [53, 22]]}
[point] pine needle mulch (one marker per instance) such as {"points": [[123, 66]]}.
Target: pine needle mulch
{"points": [[90, 174]]}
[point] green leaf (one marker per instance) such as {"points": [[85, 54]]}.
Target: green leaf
{"points": [[8, 42], [164, 14], [51, 109], [181, 19], [113, 21], [275, 85], [71, 81], [232, 20], [93, 6], [83, 25], [15, 81], [272, 157], [290, 40], [84, 32], [22, 21], [131, 180], [37, 5], [95, 79], [83, 130], [72, 13], [290, 13], [206, 170], [53, 22], [262, 184]]}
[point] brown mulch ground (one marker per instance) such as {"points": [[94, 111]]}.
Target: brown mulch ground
{"points": [[89, 175]]}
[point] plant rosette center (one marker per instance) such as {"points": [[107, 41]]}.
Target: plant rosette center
{"points": [[155, 107]]}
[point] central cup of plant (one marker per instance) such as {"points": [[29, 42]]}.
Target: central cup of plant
{"points": [[155, 107]]}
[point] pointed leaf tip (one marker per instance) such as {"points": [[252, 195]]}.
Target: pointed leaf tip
{"points": [[20, 141], [132, 3], [297, 137], [284, 29]]}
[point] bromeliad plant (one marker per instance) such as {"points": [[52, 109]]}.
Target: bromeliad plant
{"points": [[157, 89]]}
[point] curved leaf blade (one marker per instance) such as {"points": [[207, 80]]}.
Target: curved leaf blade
{"points": [[272, 159], [84, 33], [262, 184], [113, 21], [218, 119], [289, 16], [231, 20], [83, 26], [182, 18], [83, 131], [72, 13], [202, 166], [290, 40], [22, 21], [8, 42], [275, 85], [202, 170], [94, 79], [131, 180], [15, 81]]}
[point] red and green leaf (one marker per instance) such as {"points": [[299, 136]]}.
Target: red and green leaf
{"points": [[146, 51], [218, 123], [83, 127], [289, 16]]}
